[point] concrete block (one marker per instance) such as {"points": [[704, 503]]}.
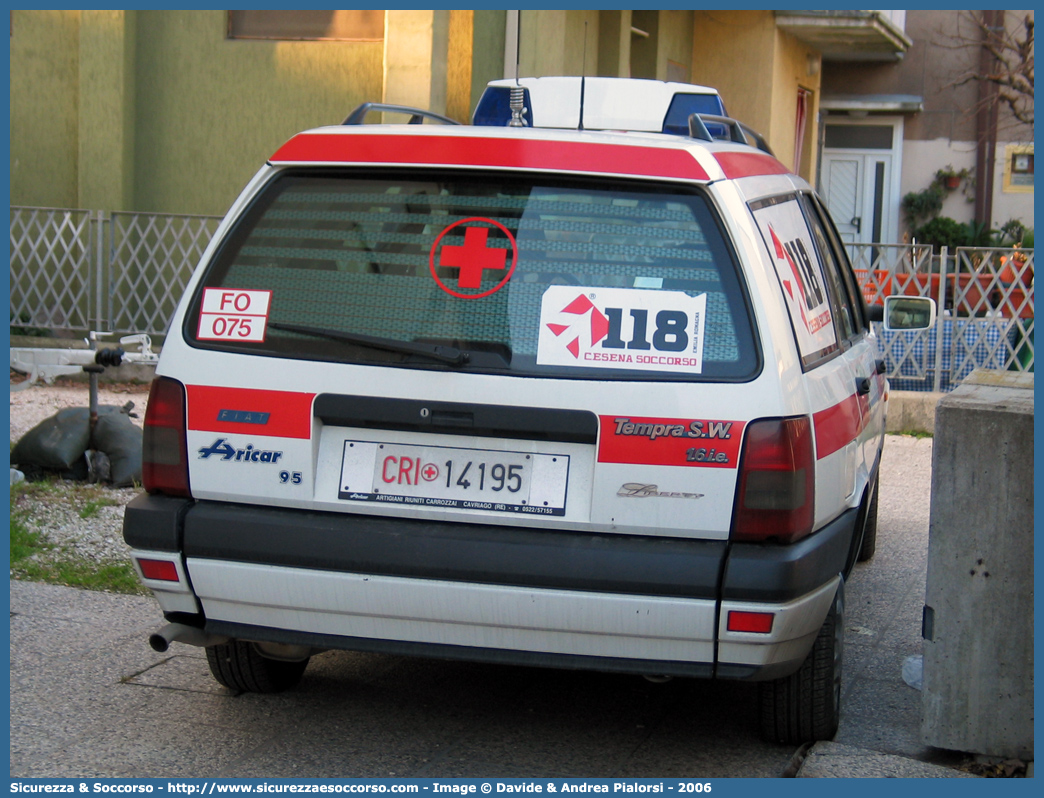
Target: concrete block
{"points": [[978, 624], [912, 411]]}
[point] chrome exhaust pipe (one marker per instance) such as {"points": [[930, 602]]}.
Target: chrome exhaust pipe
{"points": [[161, 639]]}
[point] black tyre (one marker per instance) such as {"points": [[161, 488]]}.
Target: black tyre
{"points": [[869, 544], [239, 666], [806, 706]]}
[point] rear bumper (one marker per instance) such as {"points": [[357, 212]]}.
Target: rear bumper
{"points": [[494, 593]]}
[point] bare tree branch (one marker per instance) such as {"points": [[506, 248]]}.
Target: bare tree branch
{"points": [[1010, 46]]}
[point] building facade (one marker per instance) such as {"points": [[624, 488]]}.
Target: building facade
{"points": [[888, 128], [172, 111]]}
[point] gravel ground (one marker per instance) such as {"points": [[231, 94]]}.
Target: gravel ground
{"points": [[31, 406], [58, 514]]}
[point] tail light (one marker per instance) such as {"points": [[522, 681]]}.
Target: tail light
{"points": [[757, 622], [776, 494], [160, 570], [164, 456]]}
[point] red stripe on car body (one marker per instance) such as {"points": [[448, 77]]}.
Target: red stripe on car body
{"points": [[567, 156], [638, 440], [749, 164], [289, 413], [838, 426]]}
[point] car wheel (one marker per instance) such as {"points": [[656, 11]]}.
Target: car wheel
{"points": [[869, 544], [238, 666], [806, 706]]}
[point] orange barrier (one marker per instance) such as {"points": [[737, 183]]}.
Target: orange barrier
{"points": [[970, 293]]}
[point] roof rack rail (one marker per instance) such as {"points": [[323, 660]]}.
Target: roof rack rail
{"points": [[736, 131], [417, 116]]}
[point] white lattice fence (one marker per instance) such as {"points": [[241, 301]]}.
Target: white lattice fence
{"points": [[151, 258], [995, 285], [885, 269], [986, 309], [89, 270], [126, 272], [52, 279]]}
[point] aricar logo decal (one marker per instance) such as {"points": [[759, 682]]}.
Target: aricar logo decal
{"points": [[622, 328], [224, 451]]}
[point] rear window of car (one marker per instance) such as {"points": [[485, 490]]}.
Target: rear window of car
{"points": [[485, 272]]}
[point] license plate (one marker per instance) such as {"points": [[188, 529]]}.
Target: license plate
{"points": [[440, 476]]}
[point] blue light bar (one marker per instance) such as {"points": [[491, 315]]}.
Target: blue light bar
{"points": [[685, 105], [494, 108]]}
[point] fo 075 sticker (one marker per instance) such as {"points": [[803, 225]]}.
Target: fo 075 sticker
{"points": [[669, 441], [622, 328], [230, 314]]}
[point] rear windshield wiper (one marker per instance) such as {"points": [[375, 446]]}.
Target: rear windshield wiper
{"points": [[444, 354]]}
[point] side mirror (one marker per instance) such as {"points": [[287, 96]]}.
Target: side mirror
{"points": [[909, 313]]}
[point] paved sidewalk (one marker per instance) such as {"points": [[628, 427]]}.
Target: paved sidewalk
{"points": [[835, 760], [90, 698]]}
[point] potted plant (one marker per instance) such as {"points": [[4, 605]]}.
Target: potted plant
{"points": [[950, 178]]}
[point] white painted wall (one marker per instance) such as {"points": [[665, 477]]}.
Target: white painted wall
{"points": [[921, 160]]}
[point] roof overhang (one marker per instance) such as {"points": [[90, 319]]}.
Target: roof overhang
{"points": [[859, 104], [847, 35]]}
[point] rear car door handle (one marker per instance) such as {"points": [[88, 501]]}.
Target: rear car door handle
{"points": [[863, 386]]}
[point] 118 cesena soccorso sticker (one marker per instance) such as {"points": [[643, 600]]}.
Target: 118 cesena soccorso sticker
{"points": [[622, 328]]}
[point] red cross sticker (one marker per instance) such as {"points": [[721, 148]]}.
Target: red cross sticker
{"points": [[473, 257]]}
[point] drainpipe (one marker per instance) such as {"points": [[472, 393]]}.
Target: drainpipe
{"points": [[986, 125]]}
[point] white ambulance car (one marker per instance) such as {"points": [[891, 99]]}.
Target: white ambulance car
{"points": [[570, 398]]}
